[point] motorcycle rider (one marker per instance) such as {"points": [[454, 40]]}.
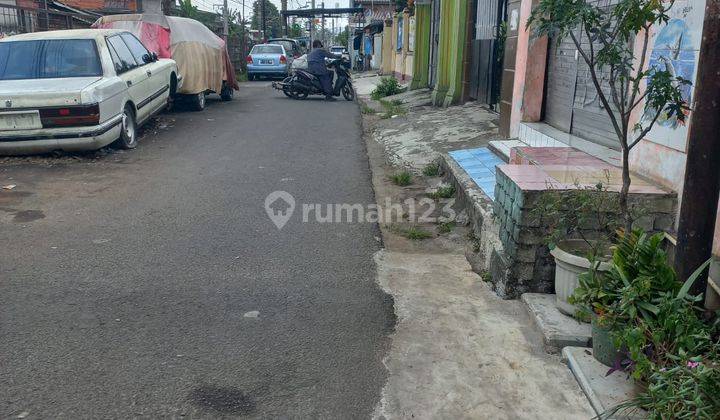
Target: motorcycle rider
{"points": [[316, 66]]}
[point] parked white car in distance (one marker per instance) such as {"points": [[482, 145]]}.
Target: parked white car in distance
{"points": [[79, 90]]}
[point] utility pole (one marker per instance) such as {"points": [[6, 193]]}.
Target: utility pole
{"points": [[262, 17], [226, 32], [312, 24], [283, 7], [698, 209], [322, 24]]}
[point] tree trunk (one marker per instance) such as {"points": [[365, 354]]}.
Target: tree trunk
{"points": [[625, 190]]}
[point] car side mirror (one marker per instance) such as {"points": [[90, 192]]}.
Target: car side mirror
{"points": [[147, 58], [154, 56]]}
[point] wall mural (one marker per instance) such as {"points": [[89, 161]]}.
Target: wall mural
{"points": [[675, 47]]}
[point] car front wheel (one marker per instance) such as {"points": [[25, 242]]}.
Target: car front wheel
{"points": [[128, 130]]}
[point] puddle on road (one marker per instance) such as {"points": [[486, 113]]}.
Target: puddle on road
{"points": [[229, 400], [25, 216]]}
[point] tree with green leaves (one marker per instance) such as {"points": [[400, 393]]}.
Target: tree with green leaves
{"points": [[343, 37], [295, 30], [273, 22], [605, 38]]}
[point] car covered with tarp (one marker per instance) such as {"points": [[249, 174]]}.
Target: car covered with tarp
{"points": [[202, 57]]}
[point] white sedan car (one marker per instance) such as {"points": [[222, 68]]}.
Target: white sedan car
{"points": [[79, 90]]}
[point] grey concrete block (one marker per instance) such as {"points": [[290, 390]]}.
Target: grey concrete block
{"points": [[664, 222], [604, 391], [558, 330]]}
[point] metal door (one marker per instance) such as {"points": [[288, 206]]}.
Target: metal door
{"points": [[560, 85], [484, 60], [571, 101]]}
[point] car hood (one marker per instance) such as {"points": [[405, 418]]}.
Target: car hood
{"points": [[43, 92]]}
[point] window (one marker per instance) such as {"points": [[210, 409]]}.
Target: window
{"points": [[126, 60], [288, 45], [267, 49], [136, 47], [45, 59]]}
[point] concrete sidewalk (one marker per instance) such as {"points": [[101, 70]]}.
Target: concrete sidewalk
{"points": [[458, 350], [425, 132]]}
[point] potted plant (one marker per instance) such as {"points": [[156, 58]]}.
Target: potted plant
{"points": [[646, 323], [580, 224], [627, 295]]}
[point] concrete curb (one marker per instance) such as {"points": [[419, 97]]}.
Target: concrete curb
{"points": [[602, 390]]}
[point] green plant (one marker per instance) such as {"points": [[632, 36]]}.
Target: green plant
{"points": [[605, 40], [486, 276], [661, 328], [445, 191], [588, 213], [689, 391], [401, 178], [366, 109], [392, 108], [446, 227], [388, 86], [639, 275], [414, 233], [431, 169]]}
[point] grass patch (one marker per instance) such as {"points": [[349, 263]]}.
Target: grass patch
{"points": [[432, 169], [402, 178], [366, 109], [446, 227], [388, 86], [486, 276], [416, 234], [241, 77], [443, 192], [393, 108]]}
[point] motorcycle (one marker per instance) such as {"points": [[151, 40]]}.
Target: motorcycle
{"points": [[302, 83]]}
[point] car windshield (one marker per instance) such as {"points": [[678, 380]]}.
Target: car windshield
{"points": [[287, 44], [44, 59], [267, 49]]}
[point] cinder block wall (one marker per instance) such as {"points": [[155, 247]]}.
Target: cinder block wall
{"points": [[524, 263]]}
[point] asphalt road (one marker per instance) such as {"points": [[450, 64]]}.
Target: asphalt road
{"points": [[152, 283]]}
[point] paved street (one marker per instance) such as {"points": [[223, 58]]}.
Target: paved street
{"points": [[152, 283]]}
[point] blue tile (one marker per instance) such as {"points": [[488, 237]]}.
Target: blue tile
{"points": [[480, 173], [474, 167]]}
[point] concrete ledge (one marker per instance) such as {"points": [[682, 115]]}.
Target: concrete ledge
{"points": [[558, 330], [502, 148], [604, 391], [479, 209]]}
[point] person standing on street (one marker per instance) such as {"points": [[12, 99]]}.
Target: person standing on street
{"points": [[368, 49], [316, 66]]}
